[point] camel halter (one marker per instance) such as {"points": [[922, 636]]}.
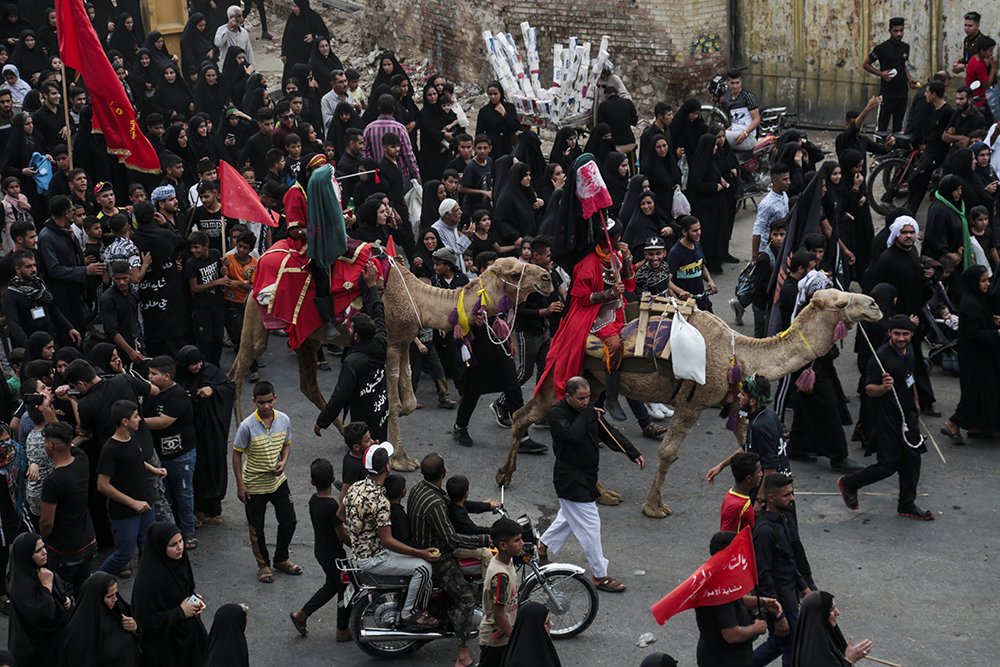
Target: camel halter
{"points": [[485, 300]]}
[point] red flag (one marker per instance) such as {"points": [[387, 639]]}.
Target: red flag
{"points": [[81, 50], [726, 576], [238, 198]]}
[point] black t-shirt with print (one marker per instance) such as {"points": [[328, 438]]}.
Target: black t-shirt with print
{"points": [[178, 438], [205, 271]]}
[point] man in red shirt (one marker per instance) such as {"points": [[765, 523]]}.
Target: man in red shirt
{"points": [[737, 506], [982, 67]]}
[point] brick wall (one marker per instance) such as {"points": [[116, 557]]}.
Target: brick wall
{"points": [[656, 45]]}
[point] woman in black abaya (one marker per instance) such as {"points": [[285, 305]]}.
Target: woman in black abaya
{"points": [[234, 74], [371, 113], [30, 58], [177, 141], [125, 39], [514, 212], [344, 117], [615, 172], [172, 94], [434, 156], [212, 395], [962, 164], [142, 80], [200, 139], [323, 60], [529, 151], [498, 120], [302, 28], [172, 632], [600, 143], [373, 218], [22, 141], [253, 98], [818, 639], [661, 171], [209, 94], [38, 605], [427, 242], [311, 102], [434, 194], [857, 230], [388, 67], [648, 221], [197, 46], [158, 52], [791, 155], [704, 192], [105, 360], [637, 185], [227, 643], [564, 149], [102, 631], [406, 106], [530, 644], [11, 26], [978, 359], [837, 255], [729, 167], [687, 127]]}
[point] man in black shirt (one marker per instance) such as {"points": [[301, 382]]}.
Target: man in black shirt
{"points": [[255, 150], [852, 137], [357, 438], [350, 162], [897, 450], [208, 217], [965, 120], [50, 120], [892, 55], [392, 177], [120, 312], [65, 523], [25, 237], [937, 117], [577, 433], [778, 574], [918, 108], [203, 271], [28, 304], [173, 175], [620, 114]]}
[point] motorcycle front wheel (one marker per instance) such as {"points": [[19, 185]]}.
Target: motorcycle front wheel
{"points": [[381, 612], [575, 593], [887, 185]]}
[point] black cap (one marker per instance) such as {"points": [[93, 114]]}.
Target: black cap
{"points": [[902, 322], [655, 243], [895, 21]]}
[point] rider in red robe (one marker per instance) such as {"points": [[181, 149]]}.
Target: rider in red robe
{"points": [[595, 306]]}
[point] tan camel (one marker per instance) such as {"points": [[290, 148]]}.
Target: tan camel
{"points": [[773, 357], [432, 308]]}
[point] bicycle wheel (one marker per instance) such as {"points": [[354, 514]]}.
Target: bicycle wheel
{"points": [[887, 185]]}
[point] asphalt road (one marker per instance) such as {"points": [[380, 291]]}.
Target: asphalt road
{"points": [[920, 591]]}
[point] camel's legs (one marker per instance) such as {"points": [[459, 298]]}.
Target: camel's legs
{"points": [[530, 412], [393, 363], [681, 424], [308, 382], [253, 343]]}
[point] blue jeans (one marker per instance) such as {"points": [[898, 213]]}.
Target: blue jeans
{"points": [[128, 533], [775, 645], [180, 489]]}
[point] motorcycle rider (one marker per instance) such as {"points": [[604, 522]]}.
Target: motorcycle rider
{"points": [[366, 513], [744, 113], [430, 525]]}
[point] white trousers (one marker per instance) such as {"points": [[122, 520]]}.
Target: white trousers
{"points": [[584, 521]]}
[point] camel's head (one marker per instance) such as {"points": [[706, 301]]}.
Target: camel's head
{"points": [[855, 307], [520, 278]]}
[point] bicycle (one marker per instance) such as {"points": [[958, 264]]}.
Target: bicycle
{"points": [[887, 180]]}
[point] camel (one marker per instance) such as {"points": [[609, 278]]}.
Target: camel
{"points": [[773, 357], [410, 304]]}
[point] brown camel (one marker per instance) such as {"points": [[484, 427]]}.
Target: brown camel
{"points": [[773, 357], [433, 307]]}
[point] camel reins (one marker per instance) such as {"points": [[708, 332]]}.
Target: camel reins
{"points": [[408, 295]]}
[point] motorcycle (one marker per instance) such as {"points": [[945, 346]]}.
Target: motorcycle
{"points": [[375, 601], [754, 165]]}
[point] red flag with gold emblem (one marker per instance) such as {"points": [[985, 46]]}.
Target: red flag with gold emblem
{"points": [[81, 50]]}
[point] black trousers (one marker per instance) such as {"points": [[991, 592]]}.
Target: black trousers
{"points": [[894, 108], [209, 329], [73, 568], [331, 587], [248, 4], [492, 656], [921, 178], [470, 396], [908, 468], [284, 511], [532, 349]]}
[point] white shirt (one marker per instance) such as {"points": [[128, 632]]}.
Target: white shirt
{"points": [[329, 105], [451, 237], [772, 207], [224, 38]]}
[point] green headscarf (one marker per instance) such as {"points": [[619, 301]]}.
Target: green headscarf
{"points": [[325, 229]]}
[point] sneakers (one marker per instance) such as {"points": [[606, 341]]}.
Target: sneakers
{"points": [[846, 464], [738, 310], [664, 410], [501, 414], [917, 513], [850, 497], [654, 411], [462, 436], [529, 446]]}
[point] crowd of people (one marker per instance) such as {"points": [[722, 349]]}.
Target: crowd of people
{"points": [[120, 290]]}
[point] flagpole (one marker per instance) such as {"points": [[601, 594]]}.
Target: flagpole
{"points": [[69, 131]]}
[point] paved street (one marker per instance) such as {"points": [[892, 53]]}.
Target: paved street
{"points": [[923, 592]]}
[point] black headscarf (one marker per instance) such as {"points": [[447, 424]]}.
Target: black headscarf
{"points": [[160, 586], [786, 156], [211, 420], [227, 643], [559, 147], [29, 61], [684, 133], [323, 65], [513, 215], [253, 98], [368, 229], [597, 145], [159, 58], [337, 132], [185, 153], [234, 75], [364, 189], [817, 643], [662, 172], [642, 227], [202, 147], [382, 78], [548, 223], [307, 22], [530, 645], [631, 200], [406, 108], [617, 184], [36, 343], [20, 146], [37, 616], [960, 164], [210, 99], [12, 30], [501, 169], [171, 97], [195, 45], [94, 635], [529, 151], [429, 204], [100, 358], [125, 41], [371, 113], [704, 168], [140, 76], [974, 303], [426, 269]]}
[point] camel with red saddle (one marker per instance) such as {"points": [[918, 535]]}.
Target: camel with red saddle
{"points": [[648, 376], [410, 304]]}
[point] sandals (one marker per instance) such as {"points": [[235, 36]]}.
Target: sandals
{"points": [[446, 403], [956, 438], [288, 567], [917, 513], [609, 585], [421, 621], [654, 431], [265, 576], [191, 543], [300, 626], [125, 574], [254, 377], [543, 557]]}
